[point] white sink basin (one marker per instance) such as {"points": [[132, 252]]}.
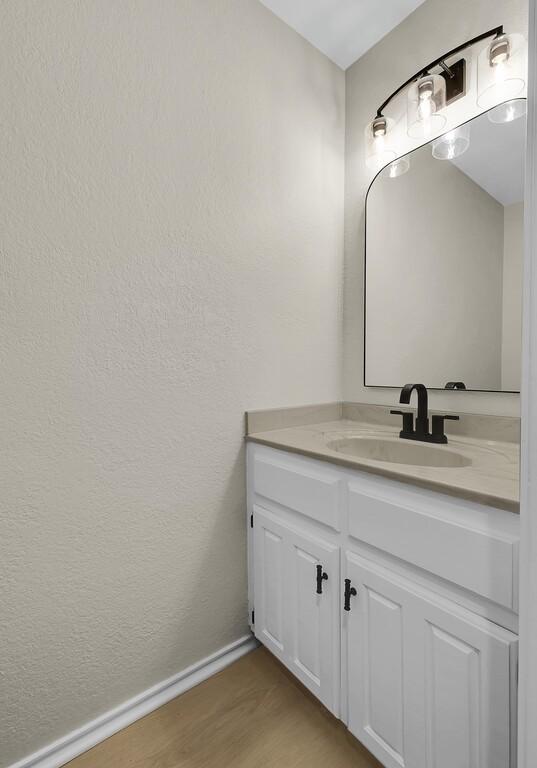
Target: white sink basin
{"points": [[399, 451]]}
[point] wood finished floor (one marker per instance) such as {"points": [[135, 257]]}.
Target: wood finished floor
{"points": [[251, 715]]}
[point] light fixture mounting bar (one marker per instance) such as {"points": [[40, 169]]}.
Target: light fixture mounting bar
{"points": [[496, 32]]}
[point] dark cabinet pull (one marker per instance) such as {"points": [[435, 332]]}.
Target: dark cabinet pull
{"points": [[320, 578], [349, 592]]}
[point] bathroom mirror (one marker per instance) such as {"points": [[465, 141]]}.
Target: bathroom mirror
{"points": [[443, 262]]}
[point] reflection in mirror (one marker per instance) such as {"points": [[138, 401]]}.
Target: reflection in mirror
{"points": [[444, 246]]}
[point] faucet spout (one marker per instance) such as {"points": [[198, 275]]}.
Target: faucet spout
{"points": [[422, 420]]}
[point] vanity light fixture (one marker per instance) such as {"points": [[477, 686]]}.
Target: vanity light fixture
{"points": [[426, 97], [378, 150], [452, 144], [379, 128], [501, 77], [501, 70]]}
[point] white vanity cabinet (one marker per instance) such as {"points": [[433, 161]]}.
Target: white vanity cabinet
{"points": [[422, 665]]}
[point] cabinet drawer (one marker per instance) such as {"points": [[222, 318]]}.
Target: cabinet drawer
{"points": [[474, 556], [305, 489]]}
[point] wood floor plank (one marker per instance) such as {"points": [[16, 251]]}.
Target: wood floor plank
{"points": [[250, 715]]}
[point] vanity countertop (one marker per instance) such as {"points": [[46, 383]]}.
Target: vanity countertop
{"points": [[492, 477]]}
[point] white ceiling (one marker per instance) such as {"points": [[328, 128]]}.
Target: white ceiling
{"points": [[495, 158], [342, 29]]}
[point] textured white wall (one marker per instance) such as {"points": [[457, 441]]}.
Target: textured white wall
{"points": [[435, 257], [171, 234], [435, 27]]}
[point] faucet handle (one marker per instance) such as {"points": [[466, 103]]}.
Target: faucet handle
{"points": [[438, 426], [408, 421]]}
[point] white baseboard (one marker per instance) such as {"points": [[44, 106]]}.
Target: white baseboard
{"points": [[75, 743]]}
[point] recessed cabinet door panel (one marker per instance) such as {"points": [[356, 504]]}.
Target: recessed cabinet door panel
{"points": [[376, 655], [452, 700], [314, 618], [384, 671], [269, 599]]}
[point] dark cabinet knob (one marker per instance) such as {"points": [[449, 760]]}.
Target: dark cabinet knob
{"points": [[349, 592], [321, 576]]}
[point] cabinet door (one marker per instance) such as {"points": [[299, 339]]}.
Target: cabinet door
{"points": [[431, 685], [296, 622], [270, 542], [467, 690], [380, 712], [313, 617]]}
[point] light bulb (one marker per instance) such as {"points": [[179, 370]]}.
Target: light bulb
{"points": [[500, 72], [426, 98], [426, 107], [501, 80]]}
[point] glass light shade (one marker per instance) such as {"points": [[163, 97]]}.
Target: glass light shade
{"points": [[426, 98], [379, 147], [507, 112], [452, 144], [397, 168], [501, 70]]}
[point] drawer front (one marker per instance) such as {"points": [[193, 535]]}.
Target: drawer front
{"points": [[482, 561], [310, 491]]}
